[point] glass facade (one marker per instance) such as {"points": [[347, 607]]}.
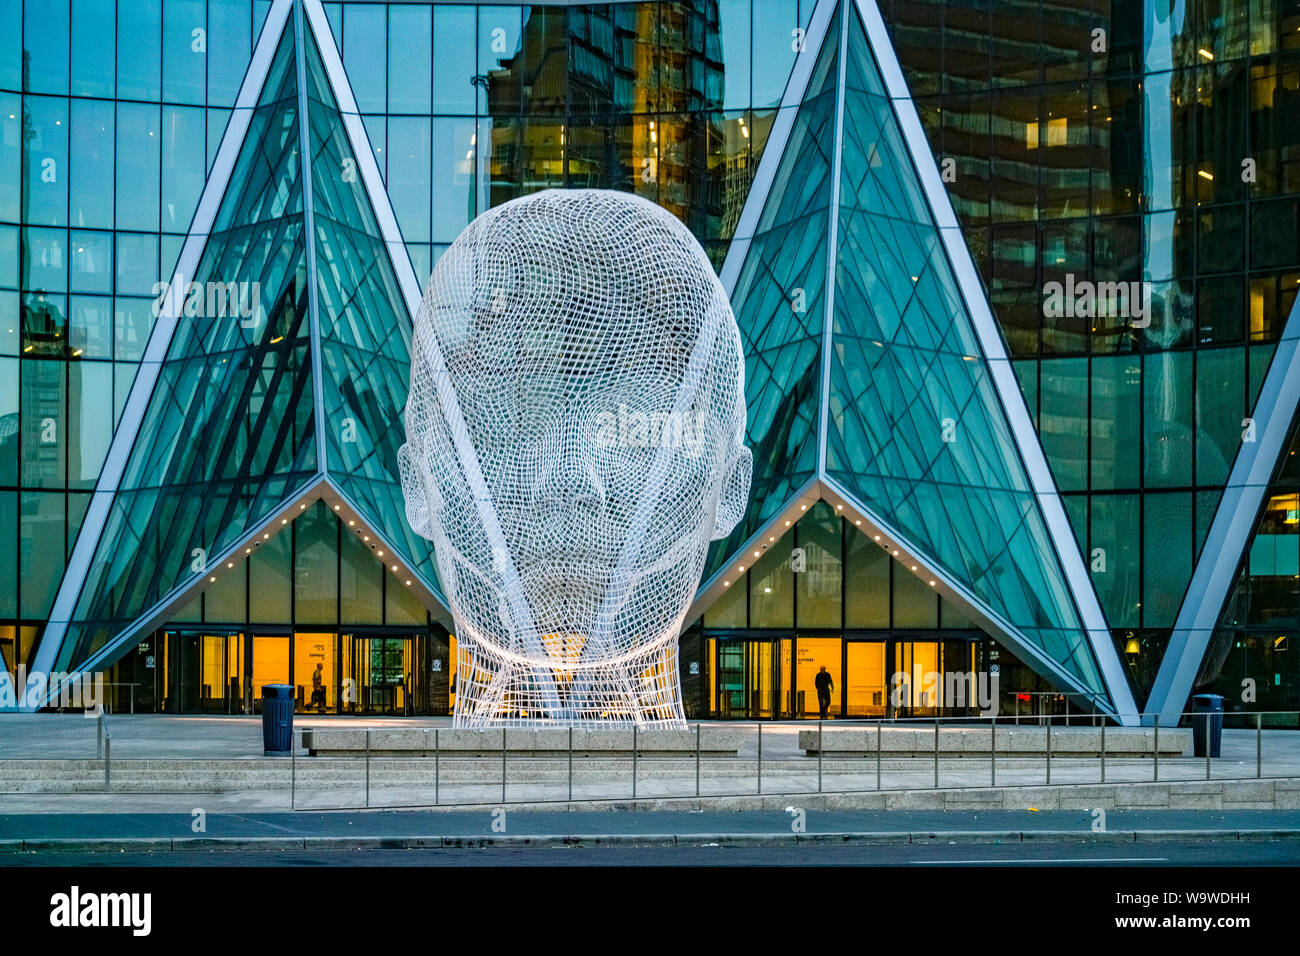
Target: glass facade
{"points": [[470, 106], [779, 300], [1252, 659], [228, 434], [101, 166], [1097, 142], [1141, 159]]}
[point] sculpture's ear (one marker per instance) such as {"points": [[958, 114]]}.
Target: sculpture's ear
{"points": [[423, 500], [735, 493]]}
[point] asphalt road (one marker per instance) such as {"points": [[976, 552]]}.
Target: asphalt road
{"points": [[388, 823], [1191, 853]]}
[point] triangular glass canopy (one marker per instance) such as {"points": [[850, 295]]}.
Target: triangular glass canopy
{"points": [[228, 432], [884, 398], [245, 420]]}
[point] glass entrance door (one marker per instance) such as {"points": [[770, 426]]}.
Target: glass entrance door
{"points": [[817, 677], [202, 672], [916, 684], [221, 668], [382, 671], [934, 678], [865, 682], [749, 685]]}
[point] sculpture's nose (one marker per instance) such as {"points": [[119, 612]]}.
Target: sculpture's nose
{"points": [[569, 468]]}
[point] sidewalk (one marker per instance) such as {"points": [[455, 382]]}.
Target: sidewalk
{"points": [[424, 829]]}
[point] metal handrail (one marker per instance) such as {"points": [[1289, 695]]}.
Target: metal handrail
{"points": [[877, 725], [780, 770]]}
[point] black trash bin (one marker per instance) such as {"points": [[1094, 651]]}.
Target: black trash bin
{"points": [[1207, 722], [277, 719]]}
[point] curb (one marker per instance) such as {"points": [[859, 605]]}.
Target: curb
{"points": [[168, 844]]}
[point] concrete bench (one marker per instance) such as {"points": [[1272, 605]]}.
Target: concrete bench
{"points": [[543, 742], [1011, 741]]}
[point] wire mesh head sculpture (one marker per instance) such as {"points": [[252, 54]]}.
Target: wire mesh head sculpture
{"points": [[575, 438]]}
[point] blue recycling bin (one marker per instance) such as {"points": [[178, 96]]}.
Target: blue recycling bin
{"points": [[277, 720], [1207, 724]]}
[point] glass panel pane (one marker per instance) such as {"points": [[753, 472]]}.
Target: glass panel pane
{"points": [[818, 584], [139, 40], [315, 566], [41, 531], [731, 609], [45, 47], [771, 589], [184, 45], [410, 76], [1166, 531], [867, 589], [361, 583]]}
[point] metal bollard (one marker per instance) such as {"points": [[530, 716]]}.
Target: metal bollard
{"points": [[108, 761], [1049, 750], [993, 752], [367, 768], [99, 735], [634, 761], [877, 755], [437, 760], [1103, 751], [697, 760], [1208, 748], [1259, 744], [760, 759], [1155, 752], [503, 765], [936, 753], [293, 771], [570, 761], [819, 756]]}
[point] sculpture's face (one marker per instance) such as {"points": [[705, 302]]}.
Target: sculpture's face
{"points": [[594, 363]]}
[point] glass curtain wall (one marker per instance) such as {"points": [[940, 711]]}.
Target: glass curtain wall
{"points": [[1141, 160]]}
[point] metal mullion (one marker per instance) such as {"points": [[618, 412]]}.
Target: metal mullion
{"points": [[305, 158]]}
